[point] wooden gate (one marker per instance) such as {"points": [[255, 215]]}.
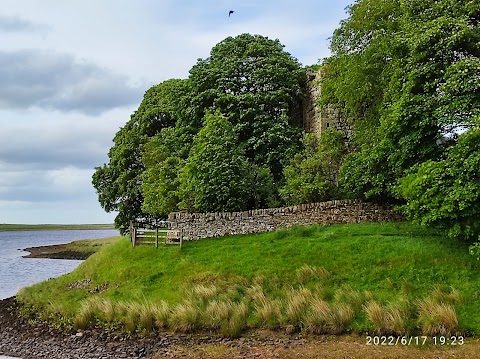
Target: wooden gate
{"points": [[141, 234]]}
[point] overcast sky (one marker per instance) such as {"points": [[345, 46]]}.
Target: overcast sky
{"points": [[72, 72]]}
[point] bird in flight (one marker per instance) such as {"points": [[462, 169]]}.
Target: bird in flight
{"points": [[230, 13]]}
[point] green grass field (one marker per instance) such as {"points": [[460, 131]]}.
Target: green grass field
{"points": [[389, 278]]}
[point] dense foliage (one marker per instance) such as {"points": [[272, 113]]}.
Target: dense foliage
{"points": [[312, 176], [117, 183], [258, 87], [446, 193], [216, 174], [407, 75], [218, 140]]}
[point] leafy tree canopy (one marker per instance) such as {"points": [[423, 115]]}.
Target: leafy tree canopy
{"points": [[216, 174], [252, 89], [407, 74], [259, 87], [118, 182], [446, 193], [312, 175]]}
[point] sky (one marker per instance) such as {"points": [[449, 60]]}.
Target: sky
{"points": [[73, 72]]}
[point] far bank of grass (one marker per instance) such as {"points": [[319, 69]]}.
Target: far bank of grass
{"points": [[384, 278], [50, 227]]}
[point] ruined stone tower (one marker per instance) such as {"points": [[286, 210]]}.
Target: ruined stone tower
{"points": [[316, 119]]}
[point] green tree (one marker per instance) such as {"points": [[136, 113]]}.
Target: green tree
{"points": [[358, 73], [264, 188], [399, 68], [259, 87], [118, 182], [162, 162], [446, 193], [216, 174], [312, 176]]}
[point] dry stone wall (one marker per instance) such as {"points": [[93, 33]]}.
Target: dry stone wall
{"points": [[196, 226]]}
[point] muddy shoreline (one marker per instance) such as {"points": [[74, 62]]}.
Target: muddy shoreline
{"points": [[58, 251], [28, 339]]}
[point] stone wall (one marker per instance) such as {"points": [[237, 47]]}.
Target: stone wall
{"points": [[205, 225]]}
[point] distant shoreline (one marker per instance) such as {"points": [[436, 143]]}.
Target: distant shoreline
{"points": [[77, 250], [52, 227]]}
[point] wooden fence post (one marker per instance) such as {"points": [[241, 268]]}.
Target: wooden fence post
{"points": [[156, 237], [131, 231]]}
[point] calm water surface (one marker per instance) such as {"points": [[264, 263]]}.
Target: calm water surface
{"points": [[17, 272]]}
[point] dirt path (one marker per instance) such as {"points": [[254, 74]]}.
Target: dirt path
{"points": [[326, 348]]}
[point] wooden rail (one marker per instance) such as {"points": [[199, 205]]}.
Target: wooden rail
{"points": [[140, 235]]}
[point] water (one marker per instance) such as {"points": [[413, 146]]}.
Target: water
{"points": [[17, 272]]}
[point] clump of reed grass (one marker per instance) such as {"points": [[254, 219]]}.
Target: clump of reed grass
{"points": [[326, 318], [255, 293], [267, 311], [446, 295], [147, 316], [185, 316], [85, 315], [131, 315], [217, 312], [162, 314], [436, 318], [295, 304], [390, 319], [236, 322], [205, 291], [105, 309], [368, 296]]}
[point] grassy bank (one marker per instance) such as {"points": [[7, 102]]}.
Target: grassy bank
{"points": [[91, 245], [50, 227], [387, 278], [74, 250]]}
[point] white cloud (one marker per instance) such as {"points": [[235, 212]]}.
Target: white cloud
{"points": [[70, 179], [38, 78], [12, 24]]}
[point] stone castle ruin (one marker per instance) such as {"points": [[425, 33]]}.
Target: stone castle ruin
{"points": [[317, 119]]}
